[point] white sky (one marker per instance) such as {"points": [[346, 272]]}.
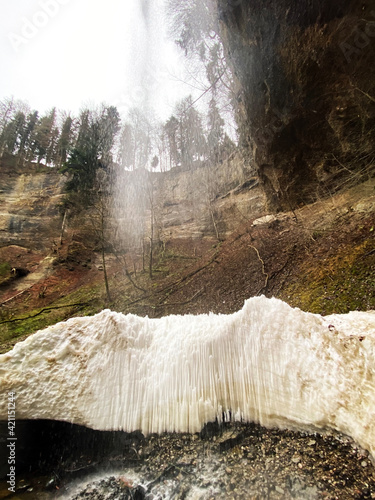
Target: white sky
{"points": [[68, 53]]}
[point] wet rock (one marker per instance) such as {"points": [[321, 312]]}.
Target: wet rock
{"points": [[51, 483], [23, 485], [111, 489], [227, 444], [210, 430]]}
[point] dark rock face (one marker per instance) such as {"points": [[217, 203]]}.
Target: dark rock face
{"points": [[305, 90]]}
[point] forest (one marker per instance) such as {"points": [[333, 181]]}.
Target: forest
{"points": [[198, 131], [57, 139]]}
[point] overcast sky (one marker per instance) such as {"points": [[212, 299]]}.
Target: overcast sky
{"points": [[69, 53]]}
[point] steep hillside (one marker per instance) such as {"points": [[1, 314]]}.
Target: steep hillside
{"points": [[320, 257]]}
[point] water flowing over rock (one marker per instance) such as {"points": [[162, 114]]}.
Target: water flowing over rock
{"points": [[266, 363]]}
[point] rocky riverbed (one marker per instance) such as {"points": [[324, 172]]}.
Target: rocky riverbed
{"points": [[236, 461], [241, 462]]}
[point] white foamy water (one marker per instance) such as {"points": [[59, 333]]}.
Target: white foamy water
{"points": [[266, 363]]}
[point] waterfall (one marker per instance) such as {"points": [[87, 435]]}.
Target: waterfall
{"points": [[267, 363]]}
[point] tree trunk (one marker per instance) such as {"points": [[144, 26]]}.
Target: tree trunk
{"points": [[62, 228], [105, 275], [151, 242], [103, 261]]}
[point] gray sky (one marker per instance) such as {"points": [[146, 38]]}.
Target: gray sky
{"points": [[68, 53]]}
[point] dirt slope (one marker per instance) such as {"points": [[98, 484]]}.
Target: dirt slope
{"points": [[320, 258]]}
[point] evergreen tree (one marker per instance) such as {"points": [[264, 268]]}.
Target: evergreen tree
{"points": [[193, 21], [51, 153], [12, 133], [25, 145], [12, 122], [84, 126], [191, 141], [93, 150], [65, 141], [109, 126], [82, 166], [195, 27], [43, 135]]}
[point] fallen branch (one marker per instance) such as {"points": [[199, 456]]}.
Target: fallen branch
{"points": [[263, 268], [81, 304], [14, 296]]}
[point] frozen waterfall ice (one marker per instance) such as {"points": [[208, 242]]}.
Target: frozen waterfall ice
{"points": [[267, 363]]}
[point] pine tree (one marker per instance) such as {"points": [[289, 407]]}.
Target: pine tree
{"points": [[12, 122], [64, 143], [191, 143], [108, 128], [92, 151], [13, 132], [51, 153], [43, 135], [84, 126], [25, 145]]}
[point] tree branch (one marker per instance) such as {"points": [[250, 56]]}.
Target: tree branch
{"points": [[263, 269]]}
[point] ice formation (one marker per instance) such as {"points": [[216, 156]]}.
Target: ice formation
{"points": [[266, 363]]}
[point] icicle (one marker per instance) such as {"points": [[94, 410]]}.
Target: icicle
{"points": [[267, 363]]}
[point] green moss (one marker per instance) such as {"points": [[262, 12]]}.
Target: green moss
{"points": [[31, 321], [342, 283], [5, 269]]}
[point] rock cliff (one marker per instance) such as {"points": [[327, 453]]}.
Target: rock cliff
{"points": [[305, 92], [29, 204], [207, 201]]}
